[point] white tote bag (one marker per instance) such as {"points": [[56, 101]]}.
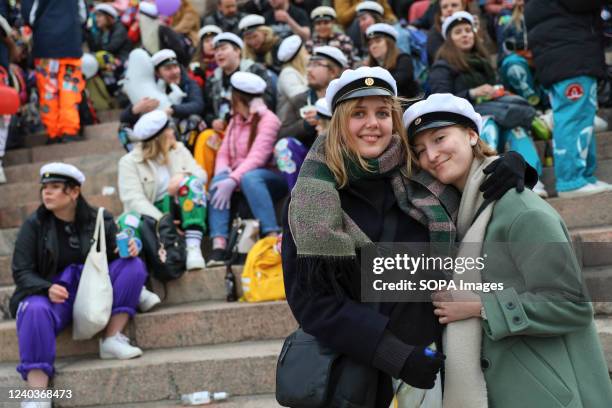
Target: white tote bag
{"points": [[94, 297]]}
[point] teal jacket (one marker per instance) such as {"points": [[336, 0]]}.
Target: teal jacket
{"points": [[540, 347]]}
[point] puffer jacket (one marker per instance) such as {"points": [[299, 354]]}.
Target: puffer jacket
{"points": [[235, 153], [566, 39]]}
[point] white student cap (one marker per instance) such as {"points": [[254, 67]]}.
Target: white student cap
{"points": [[106, 9], [251, 22], [60, 172], [148, 9], [323, 13], [370, 7], [289, 48], [150, 125], [358, 83], [209, 29], [323, 109], [457, 18], [163, 57], [248, 83], [379, 29], [441, 110], [331, 53], [228, 38]]}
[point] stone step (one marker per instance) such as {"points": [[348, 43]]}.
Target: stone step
{"points": [[585, 212], [106, 129], [251, 401], [13, 217], [240, 369], [57, 152], [7, 240], [27, 192], [593, 245], [604, 329], [90, 164], [193, 324]]}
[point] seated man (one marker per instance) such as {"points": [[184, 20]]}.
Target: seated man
{"points": [[227, 16], [110, 34], [228, 55], [169, 71]]}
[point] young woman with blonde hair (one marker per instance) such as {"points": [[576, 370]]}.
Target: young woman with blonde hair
{"points": [[260, 42], [160, 176], [356, 187]]}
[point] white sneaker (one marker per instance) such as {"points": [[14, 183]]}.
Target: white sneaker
{"points": [[195, 260], [2, 175], [118, 347], [147, 300], [603, 184], [540, 189], [36, 404], [599, 124], [587, 190]]}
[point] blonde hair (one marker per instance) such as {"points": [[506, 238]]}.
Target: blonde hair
{"points": [[339, 146], [266, 48], [156, 149], [299, 62]]}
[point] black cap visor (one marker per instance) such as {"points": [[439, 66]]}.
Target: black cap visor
{"points": [[437, 120], [57, 178]]}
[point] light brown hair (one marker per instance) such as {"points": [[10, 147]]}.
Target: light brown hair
{"points": [[339, 146], [457, 58], [390, 58]]}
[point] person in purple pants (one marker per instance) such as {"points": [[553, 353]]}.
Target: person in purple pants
{"points": [[50, 251]]}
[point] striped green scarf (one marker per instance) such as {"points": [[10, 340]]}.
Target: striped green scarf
{"points": [[323, 231]]}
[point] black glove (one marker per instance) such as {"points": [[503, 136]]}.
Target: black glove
{"points": [[420, 369], [507, 172]]}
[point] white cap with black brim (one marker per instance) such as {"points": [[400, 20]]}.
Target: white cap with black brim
{"points": [[359, 83]]}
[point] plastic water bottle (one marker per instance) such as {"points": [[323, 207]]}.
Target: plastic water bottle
{"points": [[203, 398]]}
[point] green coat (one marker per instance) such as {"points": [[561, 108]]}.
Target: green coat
{"points": [[537, 353]]}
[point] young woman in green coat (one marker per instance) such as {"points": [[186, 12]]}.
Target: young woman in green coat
{"points": [[531, 342]]}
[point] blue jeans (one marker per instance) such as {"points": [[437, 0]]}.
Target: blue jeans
{"points": [[261, 187], [574, 104], [517, 139]]}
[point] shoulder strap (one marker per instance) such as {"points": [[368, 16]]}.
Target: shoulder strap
{"points": [[99, 232]]}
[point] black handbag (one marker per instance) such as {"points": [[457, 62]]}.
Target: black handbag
{"points": [[310, 375], [164, 249]]}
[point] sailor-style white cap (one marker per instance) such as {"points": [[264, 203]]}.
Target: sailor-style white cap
{"points": [[323, 13], [106, 9], [150, 125], [370, 7], [251, 22], [209, 29], [289, 48], [60, 172], [163, 57], [322, 109], [89, 65], [248, 83], [331, 53], [228, 38], [379, 29], [456, 18], [360, 82], [148, 9], [441, 110]]}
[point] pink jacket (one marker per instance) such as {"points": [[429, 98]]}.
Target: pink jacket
{"points": [[234, 152]]}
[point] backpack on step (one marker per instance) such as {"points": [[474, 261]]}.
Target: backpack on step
{"points": [[262, 277]]}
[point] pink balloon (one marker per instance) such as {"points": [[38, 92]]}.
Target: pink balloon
{"points": [[167, 7]]}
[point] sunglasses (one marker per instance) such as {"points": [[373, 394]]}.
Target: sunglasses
{"points": [[73, 238]]}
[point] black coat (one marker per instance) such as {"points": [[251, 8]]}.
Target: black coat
{"points": [[345, 324], [443, 78], [118, 42], [434, 42], [403, 73], [36, 248], [566, 39]]}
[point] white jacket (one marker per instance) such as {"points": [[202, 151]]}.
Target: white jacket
{"points": [[290, 84], [137, 178]]}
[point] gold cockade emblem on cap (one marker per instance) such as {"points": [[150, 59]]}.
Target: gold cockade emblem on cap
{"points": [[369, 81], [417, 121], [46, 175]]}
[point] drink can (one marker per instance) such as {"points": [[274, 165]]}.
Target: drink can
{"points": [[123, 242]]}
